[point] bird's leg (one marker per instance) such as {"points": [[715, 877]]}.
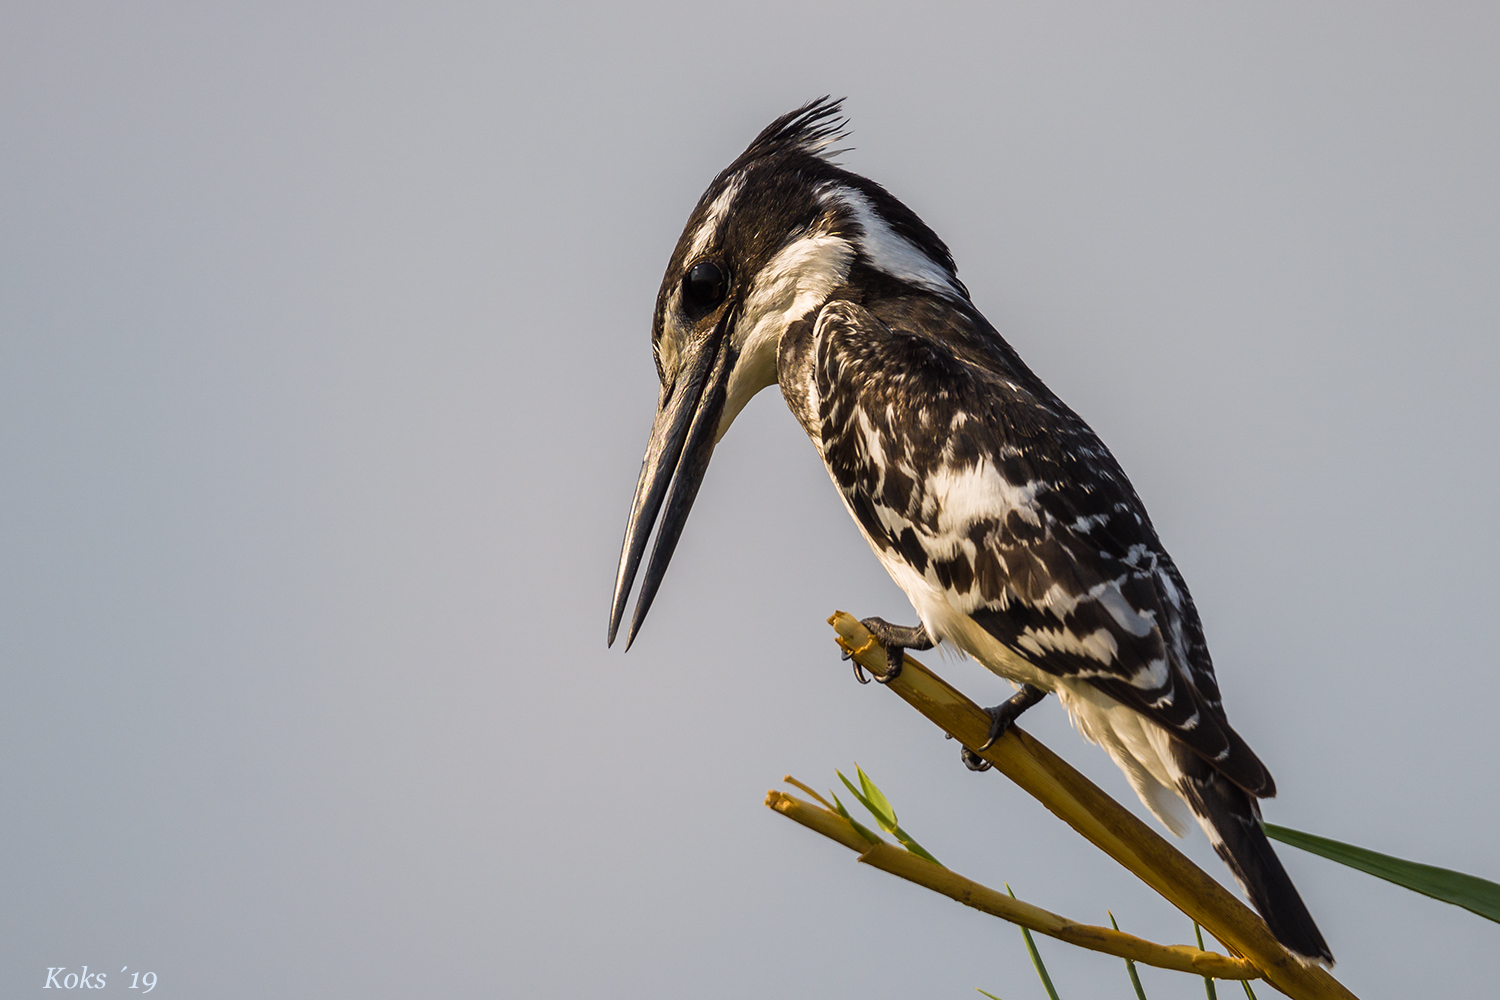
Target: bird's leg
{"points": [[1001, 717], [896, 639], [1008, 711]]}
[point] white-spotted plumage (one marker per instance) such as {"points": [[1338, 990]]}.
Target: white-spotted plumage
{"points": [[999, 512]]}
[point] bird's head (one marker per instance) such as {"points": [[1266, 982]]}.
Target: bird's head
{"points": [[777, 234]]}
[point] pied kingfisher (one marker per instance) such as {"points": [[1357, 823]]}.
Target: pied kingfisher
{"points": [[997, 510]]}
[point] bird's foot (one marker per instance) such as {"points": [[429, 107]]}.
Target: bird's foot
{"points": [[1006, 713], [1001, 718], [896, 640]]}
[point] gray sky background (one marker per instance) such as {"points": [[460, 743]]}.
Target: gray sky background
{"points": [[324, 381]]}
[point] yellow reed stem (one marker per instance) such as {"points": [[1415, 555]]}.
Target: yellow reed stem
{"points": [[903, 864], [1110, 826]]}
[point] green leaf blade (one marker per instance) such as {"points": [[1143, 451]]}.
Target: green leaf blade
{"points": [[879, 804], [1208, 981], [1135, 979], [871, 797], [1474, 894], [862, 830], [865, 801], [1036, 956], [914, 847]]}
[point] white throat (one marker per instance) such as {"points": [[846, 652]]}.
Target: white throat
{"points": [[801, 277], [797, 281]]}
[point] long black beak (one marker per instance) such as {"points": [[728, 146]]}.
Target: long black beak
{"points": [[682, 442]]}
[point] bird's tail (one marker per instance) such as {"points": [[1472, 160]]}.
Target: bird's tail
{"points": [[1231, 818]]}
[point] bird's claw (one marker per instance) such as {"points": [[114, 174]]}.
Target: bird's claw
{"points": [[850, 654], [973, 761]]}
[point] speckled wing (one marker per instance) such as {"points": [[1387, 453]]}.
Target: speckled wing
{"points": [[953, 455]]}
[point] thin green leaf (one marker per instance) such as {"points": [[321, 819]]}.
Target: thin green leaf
{"points": [[914, 847], [990, 995], [864, 800], [876, 796], [1135, 980], [863, 831], [1474, 894], [887, 823], [1036, 957], [1248, 991], [908, 842], [885, 817], [1208, 981]]}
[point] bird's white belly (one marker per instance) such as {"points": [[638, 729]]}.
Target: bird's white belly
{"points": [[1138, 746], [946, 623]]}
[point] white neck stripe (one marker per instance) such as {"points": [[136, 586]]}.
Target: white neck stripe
{"points": [[887, 250]]}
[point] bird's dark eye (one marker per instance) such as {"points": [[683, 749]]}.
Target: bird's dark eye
{"points": [[705, 285]]}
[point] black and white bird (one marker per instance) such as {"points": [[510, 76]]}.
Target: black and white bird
{"points": [[998, 511]]}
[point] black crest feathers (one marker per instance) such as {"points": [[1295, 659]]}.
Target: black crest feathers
{"points": [[811, 129]]}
